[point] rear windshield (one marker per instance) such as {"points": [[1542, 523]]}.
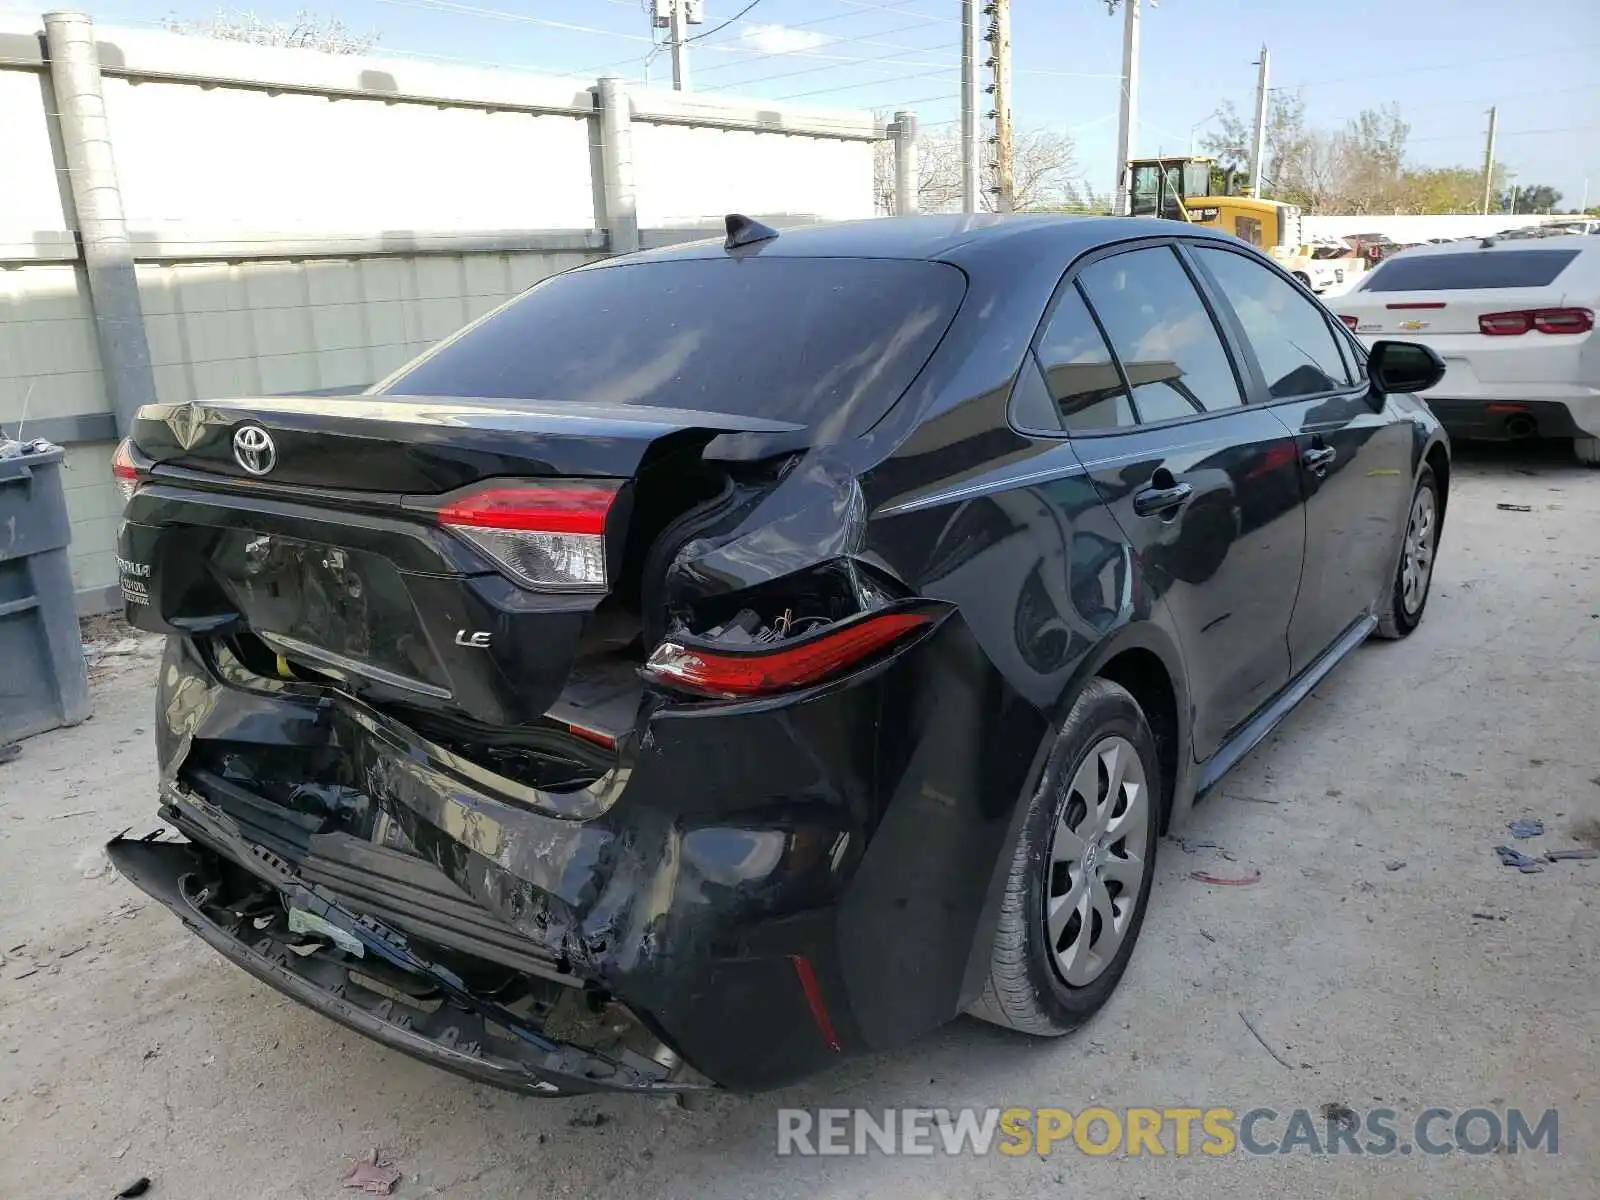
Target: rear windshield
{"points": [[1477, 269], [817, 341]]}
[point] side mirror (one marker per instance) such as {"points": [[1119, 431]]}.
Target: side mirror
{"points": [[1396, 367]]}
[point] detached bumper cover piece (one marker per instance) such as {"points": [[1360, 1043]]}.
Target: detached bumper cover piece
{"points": [[453, 1037]]}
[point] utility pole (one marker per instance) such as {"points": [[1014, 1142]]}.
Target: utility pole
{"points": [[1488, 161], [969, 106], [676, 16], [1259, 146], [1004, 142], [680, 46], [1128, 118]]}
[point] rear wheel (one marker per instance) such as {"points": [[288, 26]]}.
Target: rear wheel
{"points": [[1587, 450], [1402, 610], [1080, 877]]}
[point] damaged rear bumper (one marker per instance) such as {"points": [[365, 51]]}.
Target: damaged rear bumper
{"points": [[453, 1037], [764, 887]]}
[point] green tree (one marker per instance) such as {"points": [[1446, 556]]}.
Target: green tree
{"points": [[1535, 198]]}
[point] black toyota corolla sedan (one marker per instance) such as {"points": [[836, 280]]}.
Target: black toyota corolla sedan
{"points": [[720, 661]]}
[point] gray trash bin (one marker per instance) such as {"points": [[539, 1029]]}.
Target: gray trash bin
{"points": [[43, 681]]}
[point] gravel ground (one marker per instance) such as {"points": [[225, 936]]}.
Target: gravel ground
{"points": [[129, 1049]]}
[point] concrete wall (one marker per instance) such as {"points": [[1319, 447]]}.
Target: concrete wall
{"points": [[306, 222], [1421, 228]]}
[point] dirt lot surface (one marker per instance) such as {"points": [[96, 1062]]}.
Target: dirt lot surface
{"points": [[128, 1049]]}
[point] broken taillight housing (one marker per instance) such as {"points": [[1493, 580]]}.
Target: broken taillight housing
{"points": [[781, 666], [125, 471], [543, 535]]}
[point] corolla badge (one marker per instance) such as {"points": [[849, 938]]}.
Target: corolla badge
{"points": [[253, 449]]}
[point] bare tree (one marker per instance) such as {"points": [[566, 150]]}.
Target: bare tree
{"points": [[1045, 173], [307, 31]]}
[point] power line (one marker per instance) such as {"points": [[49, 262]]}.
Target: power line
{"points": [[734, 47], [725, 24], [905, 12], [1450, 66], [791, 74], [1505, 133], [876, 83]]}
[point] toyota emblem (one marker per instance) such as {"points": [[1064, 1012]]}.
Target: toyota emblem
{"points": [[253, 449]]}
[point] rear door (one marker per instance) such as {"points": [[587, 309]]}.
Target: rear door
{"points": [[1202, 487], [1354, 451]]}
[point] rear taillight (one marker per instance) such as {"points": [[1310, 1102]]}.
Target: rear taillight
{"points": [[1563, 320], [1544, 320], [1350, 322], [1506, 324], [544, 535], [126, 473], [733, 674]]}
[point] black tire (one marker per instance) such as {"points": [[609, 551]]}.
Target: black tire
{"points": [[1396, 619], [1025, 991]]}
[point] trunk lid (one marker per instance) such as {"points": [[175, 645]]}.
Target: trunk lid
{"points": [[399, 444], [1418, 316], [324, 541]]}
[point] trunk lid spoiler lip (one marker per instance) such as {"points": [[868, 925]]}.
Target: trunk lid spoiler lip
{"points": [[508, 415]]}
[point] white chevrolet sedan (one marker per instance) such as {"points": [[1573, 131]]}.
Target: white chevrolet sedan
{"points": [[1514, 323]]}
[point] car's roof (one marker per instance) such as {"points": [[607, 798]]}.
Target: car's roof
{"points": [[939, 237], [1499, 243]]}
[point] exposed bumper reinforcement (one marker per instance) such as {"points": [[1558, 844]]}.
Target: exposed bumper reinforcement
{"points": [[453, 1037]]}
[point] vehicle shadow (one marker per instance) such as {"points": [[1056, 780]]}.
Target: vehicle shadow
{"points": [[1529, 456]]}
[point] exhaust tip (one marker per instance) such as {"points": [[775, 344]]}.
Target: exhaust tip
{"points": [[1521, 426]]}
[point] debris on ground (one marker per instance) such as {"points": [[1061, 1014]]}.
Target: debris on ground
{"points": [[1526, 827], [9, 751], [1209, 936], [1504, 507], [138, 1187], [1510, 856], [591, 1120], [1256, 1033], [116, 649], [370, 1175], [1394, 864], [1483, 916], [122, 1149], [1193, 845], [1568, 855], [1226, 880], [1341, 1114]]}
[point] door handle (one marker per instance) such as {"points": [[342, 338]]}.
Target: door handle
{"points": [[1318, 459], [1155, 500]]}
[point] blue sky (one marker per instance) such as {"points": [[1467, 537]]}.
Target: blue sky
{"points": [[1444, 62]]}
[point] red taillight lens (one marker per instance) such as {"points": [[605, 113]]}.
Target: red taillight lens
{"points": [[127, 475], [1545, 320], [733, 674], [544, 535], [1350, 322], [1563, 320], [1506, 324]]}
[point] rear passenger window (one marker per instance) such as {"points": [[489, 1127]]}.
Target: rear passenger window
{"points": [[1290, 334], [1079, 371], [1162, 334]]}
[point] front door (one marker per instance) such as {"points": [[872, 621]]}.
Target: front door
{"points": [[1203, 488], [1354, 453]]}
